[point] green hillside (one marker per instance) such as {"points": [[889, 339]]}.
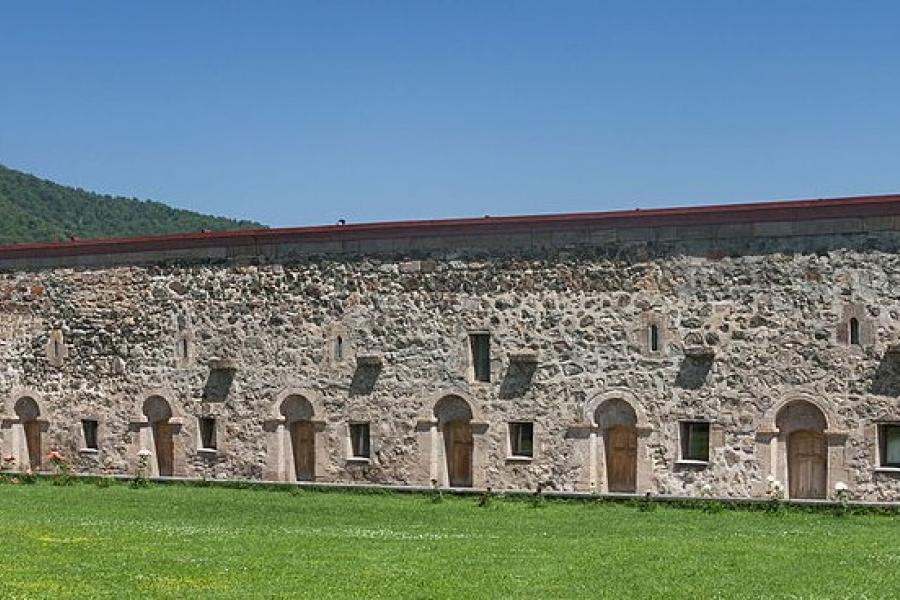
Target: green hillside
{"points": [[36, 210]]}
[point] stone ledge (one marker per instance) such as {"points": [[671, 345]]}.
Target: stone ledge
{"points": [[888, 470], [700, 352], [697, 464], [530, 357], [520, 459], [370, 360], [223, 364]]}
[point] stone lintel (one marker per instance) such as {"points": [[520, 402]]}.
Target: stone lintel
{"points": [[369, 360], [223, 364], [531, 357], [700, 352]]}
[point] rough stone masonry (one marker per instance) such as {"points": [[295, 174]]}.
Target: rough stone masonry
{"points": [[716, 351]]}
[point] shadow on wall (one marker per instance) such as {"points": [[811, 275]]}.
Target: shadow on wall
{"points": [[693, 372], [218, 385], [518, 379], [364, 378], [886, 381]]}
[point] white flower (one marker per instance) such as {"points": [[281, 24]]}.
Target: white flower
{"points": [[770, 479], [144, 452], [840, 486]]}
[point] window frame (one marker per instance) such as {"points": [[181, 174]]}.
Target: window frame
{"points": [[653, 338], [86, 445], [213, 431], [685, 436], [352, 428], [854, 332], [480, 357], [515, 429], [883, 445]]}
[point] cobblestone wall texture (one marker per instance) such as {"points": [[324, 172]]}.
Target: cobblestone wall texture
{"points": [[742, 334]]}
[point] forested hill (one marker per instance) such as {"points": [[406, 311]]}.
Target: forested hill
{"points": [[36, 210]]}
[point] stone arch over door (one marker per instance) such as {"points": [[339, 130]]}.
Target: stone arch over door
{"points": [[800, 448], [617, 443], [25, 432], [295, 432], [452, 437], [157, 428]]}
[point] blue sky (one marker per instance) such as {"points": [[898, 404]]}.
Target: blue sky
{"points": [[296, 113]]}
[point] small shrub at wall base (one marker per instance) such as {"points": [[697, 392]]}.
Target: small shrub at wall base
{"points": [[62, 468], [484, 500], [143, 467]]}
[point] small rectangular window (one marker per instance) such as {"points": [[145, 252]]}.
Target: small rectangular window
{"points": [[521, 439], [208, 433], [480, 345], [695, 441], [654, 338], [854, 331], [89, 428], [889, 441], [359, 440]]}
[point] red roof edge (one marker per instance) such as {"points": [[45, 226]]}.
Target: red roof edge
{"points": [[793, 210]]}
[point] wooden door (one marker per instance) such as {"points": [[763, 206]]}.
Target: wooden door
{"points": [[303, 441], [807, 465], [33, 444], [458, 444], [621, 458], [164, 443]]}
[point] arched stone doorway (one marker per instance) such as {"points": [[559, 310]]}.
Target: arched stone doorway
{"points": [[615, 431], [155, 427], [802, 426], [454, 418], [617, 422], [295, 435], [30, 450], [799, 446], [452, 441], [162, 432], [298, 413]]}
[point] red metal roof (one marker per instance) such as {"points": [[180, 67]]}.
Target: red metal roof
{"points": [[794, 210]]}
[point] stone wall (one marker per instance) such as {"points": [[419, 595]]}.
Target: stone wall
{"points": [[741, 334]]}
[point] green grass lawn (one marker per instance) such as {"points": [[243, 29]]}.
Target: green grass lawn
{"points": [[85, 541]]}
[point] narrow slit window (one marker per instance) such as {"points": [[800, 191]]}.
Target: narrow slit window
{"points": [[695, 441], [889, 440], [521, 440], [854, 331], [359, 440], [89, 430], [654, 338], [208, 433], [339, 348], [184, 348], [480, 345]]}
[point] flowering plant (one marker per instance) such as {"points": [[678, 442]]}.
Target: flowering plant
{"points": [[9, 463], [62, 467], [775, 492], [842, 493]]}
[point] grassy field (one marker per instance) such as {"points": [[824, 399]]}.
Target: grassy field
{"points": [[85, 541]]}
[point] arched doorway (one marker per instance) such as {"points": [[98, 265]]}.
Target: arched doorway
{"points": [[27, 411], [802, 426], [298, 413], [454, 416], [617, 421], [159, 415]]}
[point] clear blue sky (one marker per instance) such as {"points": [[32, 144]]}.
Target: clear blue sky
{"points": [[295, 113]]}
